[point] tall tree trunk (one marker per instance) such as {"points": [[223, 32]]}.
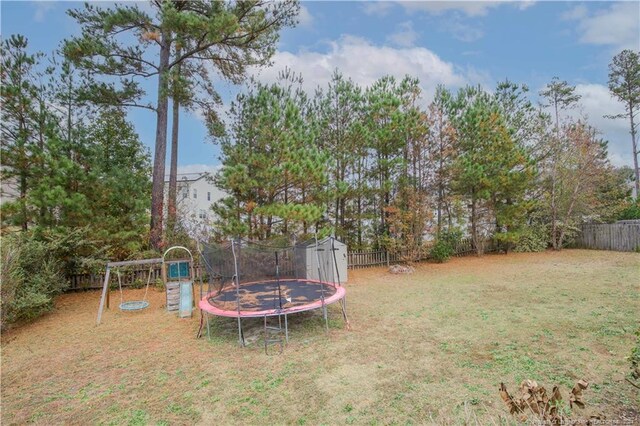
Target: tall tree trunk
{"points": [[23, 201], [23, 175], [41, 131], [157, 188], [474, 225], [634, 142], [440, 184], [359, 203], [173, 168]]}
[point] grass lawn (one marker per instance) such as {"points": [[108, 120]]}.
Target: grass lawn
{"points": [[431, 347]]}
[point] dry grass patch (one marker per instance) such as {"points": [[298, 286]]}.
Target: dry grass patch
{"points": [[428, 347]]}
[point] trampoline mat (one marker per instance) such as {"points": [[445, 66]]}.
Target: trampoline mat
{"points": [[264, 295]]}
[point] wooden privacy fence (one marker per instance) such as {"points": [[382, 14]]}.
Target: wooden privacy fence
{"points": [[620, 236], [138, 275]]}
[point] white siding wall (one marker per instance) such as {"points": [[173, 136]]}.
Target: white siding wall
{"points": [[194, 200]]}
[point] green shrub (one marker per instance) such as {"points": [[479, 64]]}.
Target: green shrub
{"points": [[445, 245], [506, 241], [441, 251], [534, 238], [453, 237], [32, 274], [631, 212]]}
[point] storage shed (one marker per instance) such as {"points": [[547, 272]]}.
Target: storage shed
{"points": [[331, 270]]}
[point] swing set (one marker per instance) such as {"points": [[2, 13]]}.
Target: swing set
{"points": [[177, 276]]}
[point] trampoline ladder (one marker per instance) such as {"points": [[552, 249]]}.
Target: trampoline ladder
{"points": [[274, 335]]}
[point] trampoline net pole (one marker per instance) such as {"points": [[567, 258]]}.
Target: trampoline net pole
{"points": [[343, 301], [324, 307], [237, 282]]}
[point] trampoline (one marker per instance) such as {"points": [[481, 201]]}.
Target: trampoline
{"points": [[255, 280], [259, 299]]}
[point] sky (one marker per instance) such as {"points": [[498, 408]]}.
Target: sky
{"points": [[452, 43]]}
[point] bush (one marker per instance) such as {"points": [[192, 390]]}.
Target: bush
{"points": [[534, 238], [453, 237], [32, 274], [445, 245], [631, 212], [506, 241], [441, 251]]}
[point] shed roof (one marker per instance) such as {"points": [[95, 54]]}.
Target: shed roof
{"points": [[312, 242]]}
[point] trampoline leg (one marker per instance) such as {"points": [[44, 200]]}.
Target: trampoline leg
{"points": [[199, 335], [208, 327], [266, 337], [286, 329], [240, 334], [326, 318], [343, 304]]}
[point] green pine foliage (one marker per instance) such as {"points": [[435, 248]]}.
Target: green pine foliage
{"points": [[273, 166], [80, 178], [31, 277], [177, 43]]}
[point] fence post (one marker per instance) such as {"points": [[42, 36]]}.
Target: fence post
{"points": [[387, 253]]}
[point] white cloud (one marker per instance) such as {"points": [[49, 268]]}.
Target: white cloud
{"points": [[42, 8], [469, 8], [617, 26], [576, 13], [596, 102], [461, 31], [378, 8], [305, 18], [406, 36], [364, 63], [525, 4]]}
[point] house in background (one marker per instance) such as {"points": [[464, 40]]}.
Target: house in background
{"points": [[8, 189], [195, 195]]}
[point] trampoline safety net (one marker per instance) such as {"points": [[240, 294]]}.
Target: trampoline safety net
{"points": [[250, 277]]}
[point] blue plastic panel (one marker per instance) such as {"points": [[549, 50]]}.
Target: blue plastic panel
{"points": [[186, 299], [178, 270]]}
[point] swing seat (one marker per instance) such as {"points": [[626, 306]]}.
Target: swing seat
{"points": [[134, 305]]}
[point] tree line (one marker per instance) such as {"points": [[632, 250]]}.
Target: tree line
{"points": [[81, 187], [75, 179], [382, 168], [71, 166]]}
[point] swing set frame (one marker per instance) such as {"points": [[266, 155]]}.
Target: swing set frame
{"points": [[105, 298]]}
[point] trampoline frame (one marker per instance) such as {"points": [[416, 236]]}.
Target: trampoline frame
{"points": [[339, 294], [206, 308]]}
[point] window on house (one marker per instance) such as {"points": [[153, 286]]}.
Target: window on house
{"points": [[195, 193], [202, 214], [185, 193], [208, 196]]}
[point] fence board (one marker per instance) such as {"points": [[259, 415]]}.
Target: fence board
{"points": [[357, 259], [129, 276], [620, 236]]}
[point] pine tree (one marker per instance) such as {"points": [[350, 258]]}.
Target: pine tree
{"points": [[624, 84], [339, 111], [24, 124], [231, 36], [492, 171], [272, 165], [443, 147]]}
